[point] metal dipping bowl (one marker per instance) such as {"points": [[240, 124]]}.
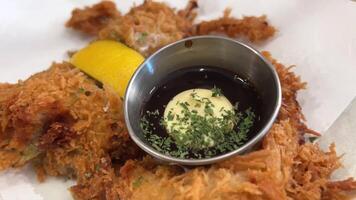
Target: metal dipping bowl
{"points": [[204, 51]]}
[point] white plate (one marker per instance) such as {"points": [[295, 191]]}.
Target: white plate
{"points": [[318, 36]]}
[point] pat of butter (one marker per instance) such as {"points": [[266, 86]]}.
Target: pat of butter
{"points": [[193, 101]]}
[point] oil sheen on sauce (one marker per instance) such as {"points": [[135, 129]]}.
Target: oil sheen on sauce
{"points": [[234, 87]]}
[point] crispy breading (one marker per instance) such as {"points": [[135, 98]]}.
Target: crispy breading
{"points": [[152, 25], [148, 27], [254, 28], [291, 84], [91, 20], [162, 182], [101, 185], [67, 125], [284, 168], [258, 175], [64, 122], [337, 190], [26, 111]]}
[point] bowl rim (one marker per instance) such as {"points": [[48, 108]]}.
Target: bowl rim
{"points": [[195, 162]]}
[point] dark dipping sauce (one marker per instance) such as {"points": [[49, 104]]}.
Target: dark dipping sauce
{"points": [[234, 87]]}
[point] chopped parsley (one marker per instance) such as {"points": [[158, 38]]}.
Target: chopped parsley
{"points": [[193, 94], [97, 167], [81, 90], [216, 92], [142, 37], [137, 182], [312, 139], [170, 116], [154, 113], [203, 136]]}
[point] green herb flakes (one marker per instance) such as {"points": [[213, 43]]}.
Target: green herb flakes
{"points": [[142, 37], [312, 139], [97, 167], [216, 92], [81, 90], [202, 136], [170, 116], [137, 182]]}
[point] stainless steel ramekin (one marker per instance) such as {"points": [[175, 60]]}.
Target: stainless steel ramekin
{"points": [[205, 51]]}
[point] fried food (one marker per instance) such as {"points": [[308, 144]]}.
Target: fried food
{"points": [[152, 25], [67, 124], [284, 168], [64, 123], [254, 28], [148, 27], [91, 20]]}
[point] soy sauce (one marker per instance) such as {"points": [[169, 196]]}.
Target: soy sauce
{"points": [[233, 86]]}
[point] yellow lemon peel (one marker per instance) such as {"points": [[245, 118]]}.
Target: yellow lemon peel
{"points": [[109, 62]]}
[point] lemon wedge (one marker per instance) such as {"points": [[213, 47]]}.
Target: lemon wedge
{"points": [[109, 62]]}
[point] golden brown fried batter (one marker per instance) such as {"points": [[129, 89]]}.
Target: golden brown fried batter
{"points": [[91, 20], [148, 27], [67, 125], [290, 85], [100, 186], [283, 169], [254, 28], [152, 25], [64, 122]]}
